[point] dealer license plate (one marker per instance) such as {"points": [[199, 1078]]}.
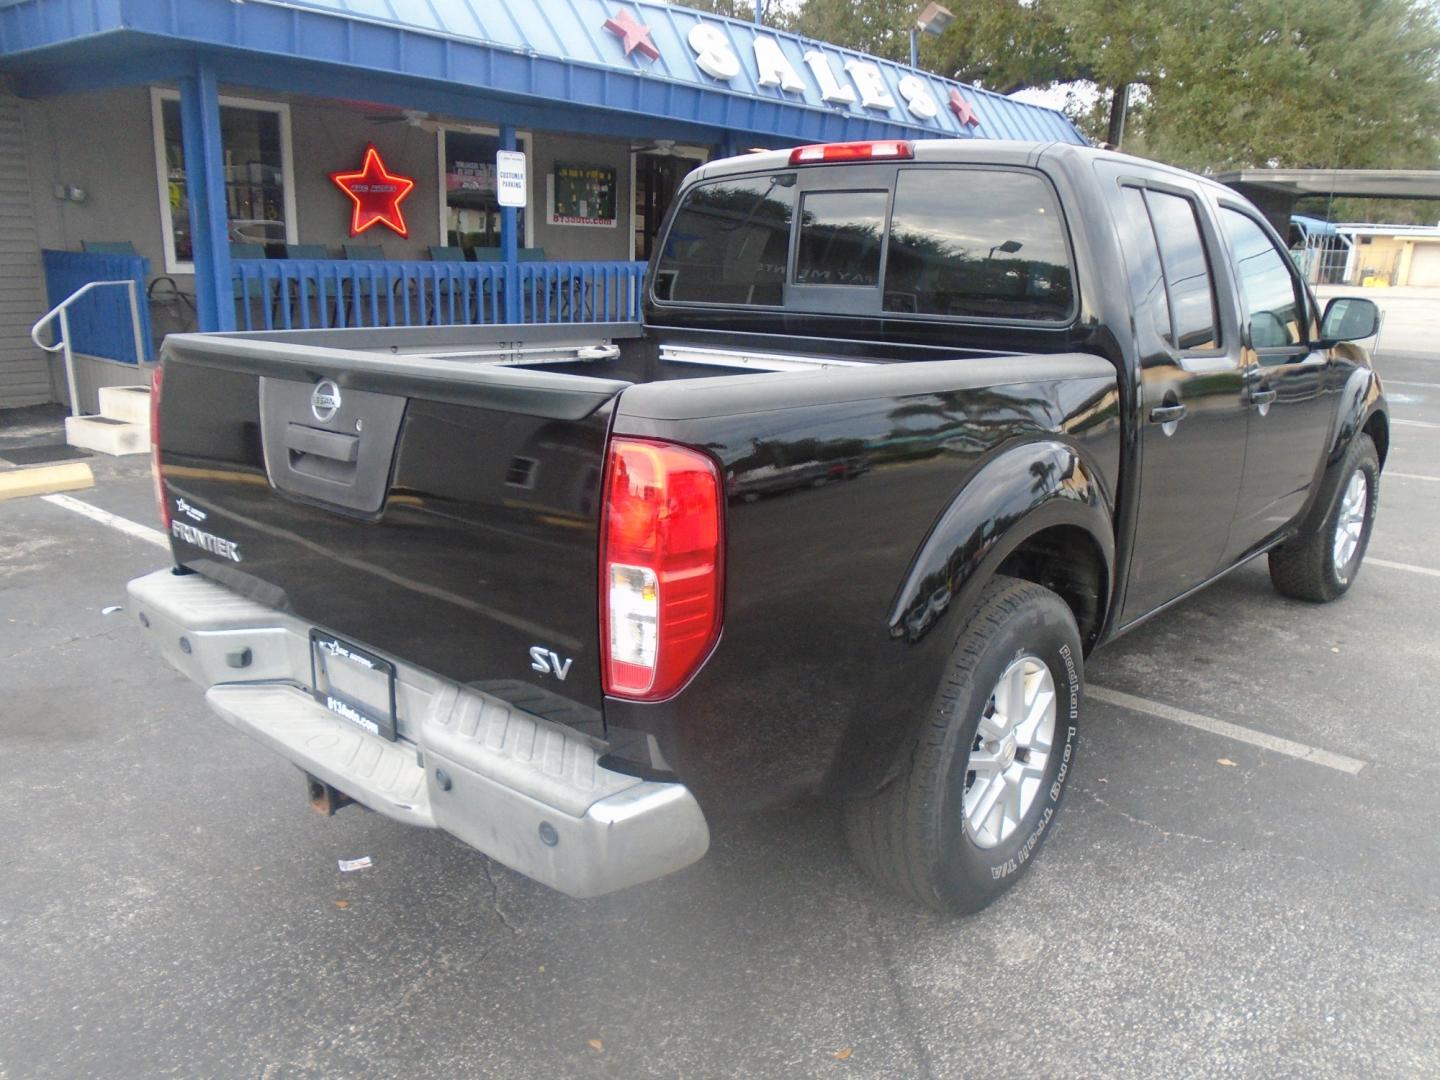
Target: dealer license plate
{"points": [[353, 683]]}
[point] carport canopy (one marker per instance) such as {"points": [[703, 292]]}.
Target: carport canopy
{"points": [[1275, 191]]}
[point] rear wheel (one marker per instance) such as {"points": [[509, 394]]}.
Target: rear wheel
{"points": [[1321, 563], [989, 767]]}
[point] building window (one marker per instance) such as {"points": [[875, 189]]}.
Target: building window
{"points": [[470, 211], [259, 182]]}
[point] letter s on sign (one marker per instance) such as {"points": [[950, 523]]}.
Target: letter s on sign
{"points": [[713, 54], [917, 97]]}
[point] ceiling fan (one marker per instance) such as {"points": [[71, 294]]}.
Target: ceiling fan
{"points": [[416, 118], [660, 148]]}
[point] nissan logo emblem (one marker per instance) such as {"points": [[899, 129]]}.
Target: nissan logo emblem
{"points": [[325, 400]]}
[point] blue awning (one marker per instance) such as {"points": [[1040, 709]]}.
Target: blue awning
{"points": [[1313, 226], [610, 66]]}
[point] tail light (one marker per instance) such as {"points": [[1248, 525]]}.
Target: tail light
{"points": [[660, 565], [820, 153], [157, 386]]}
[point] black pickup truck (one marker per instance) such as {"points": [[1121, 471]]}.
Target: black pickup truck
{"points": [[909, 429]]}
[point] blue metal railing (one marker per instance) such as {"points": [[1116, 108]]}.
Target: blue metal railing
{"points": [[284, 294], [99, 323]]}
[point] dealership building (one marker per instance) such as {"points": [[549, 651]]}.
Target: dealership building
{"points": [[301, 163]]}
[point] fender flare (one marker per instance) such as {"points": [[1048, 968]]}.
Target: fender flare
{"points": [[1360, 399], [1010, 498]]}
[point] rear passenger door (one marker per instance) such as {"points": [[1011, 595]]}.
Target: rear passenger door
{"points": [[1192, 410], [1290, 413]]}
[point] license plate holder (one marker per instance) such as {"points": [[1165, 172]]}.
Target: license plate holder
{"points": [[353, 683]]}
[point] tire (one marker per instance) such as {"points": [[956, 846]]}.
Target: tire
{"points": [[1319, 565], [916, 835]]}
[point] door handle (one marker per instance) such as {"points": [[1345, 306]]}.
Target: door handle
{"points": [[1263, 398], [301, 439], [1167, 414]]}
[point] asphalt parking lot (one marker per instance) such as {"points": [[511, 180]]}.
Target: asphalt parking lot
{"points": [[1205, 907]]}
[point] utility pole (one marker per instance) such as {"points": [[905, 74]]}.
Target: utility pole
{"points": [[1119, 105]]}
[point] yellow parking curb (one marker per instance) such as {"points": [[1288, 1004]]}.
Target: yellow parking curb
{"points": [[45, 480]]}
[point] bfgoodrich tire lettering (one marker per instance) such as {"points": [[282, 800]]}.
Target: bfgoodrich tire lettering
{"points": [[914, 835]]}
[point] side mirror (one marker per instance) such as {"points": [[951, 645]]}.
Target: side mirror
{"points": [[1349, 318]]}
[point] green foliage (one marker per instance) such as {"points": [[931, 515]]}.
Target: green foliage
{"points": [[738, 9], [1389, 211], [1298, 83], [1219, 83]]}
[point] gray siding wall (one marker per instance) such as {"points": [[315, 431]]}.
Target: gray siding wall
{"points": [[104, 142], [24, 369]]}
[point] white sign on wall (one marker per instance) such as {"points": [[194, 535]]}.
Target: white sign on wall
{"points": [[511, 185]]}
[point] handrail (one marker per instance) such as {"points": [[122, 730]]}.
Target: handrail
{"points": [[61, 311]]}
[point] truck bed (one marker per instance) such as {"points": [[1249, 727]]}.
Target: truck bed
{"points": [[447, 509]]}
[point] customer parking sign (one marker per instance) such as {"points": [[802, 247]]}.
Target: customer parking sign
{"points": [[510, 182]]}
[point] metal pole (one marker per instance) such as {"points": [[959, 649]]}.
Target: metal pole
{"points": [[205, 184], [69, 362], [510, 241], [135, 325], [915, 49], [759, 12]]}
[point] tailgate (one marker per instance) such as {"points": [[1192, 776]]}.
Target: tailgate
{"points": [[445, 512]]}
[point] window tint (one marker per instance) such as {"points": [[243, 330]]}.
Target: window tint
{"points": [[728, 243], [1187, 272], [1265, 282], [977, 242], [840, 236], [1147, 281]]}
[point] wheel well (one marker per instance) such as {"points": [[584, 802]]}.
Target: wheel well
{"points": [[1066, 560], [1378, 428]]}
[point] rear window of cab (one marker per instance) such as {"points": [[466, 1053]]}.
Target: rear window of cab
{"points": [[958, 242]]}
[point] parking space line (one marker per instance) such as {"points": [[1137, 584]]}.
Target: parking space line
{"points": [[1370, 560], [114, 521], [1410, 476], [1402, 382], [1224, 728], [1416, 423]]}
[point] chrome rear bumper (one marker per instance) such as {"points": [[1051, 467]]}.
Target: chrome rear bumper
{"points": [[521, 789]]}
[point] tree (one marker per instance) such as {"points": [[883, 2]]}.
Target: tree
{"points": [[739, 9], [1003, 45], [1298, 83], [1219, 83]]}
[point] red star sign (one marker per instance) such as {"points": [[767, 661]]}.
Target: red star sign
{"points": [[377, 195], [962, 110], [634, 36]]}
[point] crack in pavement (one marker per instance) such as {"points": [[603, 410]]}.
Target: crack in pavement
{"points": [[902, 1007], [495, 898], [1419, 903]]}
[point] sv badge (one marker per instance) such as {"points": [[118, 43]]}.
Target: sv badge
{"points": [[546, 662]]}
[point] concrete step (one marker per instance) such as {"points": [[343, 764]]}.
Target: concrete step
{"points": [[128, 403], [107, 436]]}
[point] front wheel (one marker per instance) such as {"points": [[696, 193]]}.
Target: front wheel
{"points": [[1321, 563], [989, 767]]}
